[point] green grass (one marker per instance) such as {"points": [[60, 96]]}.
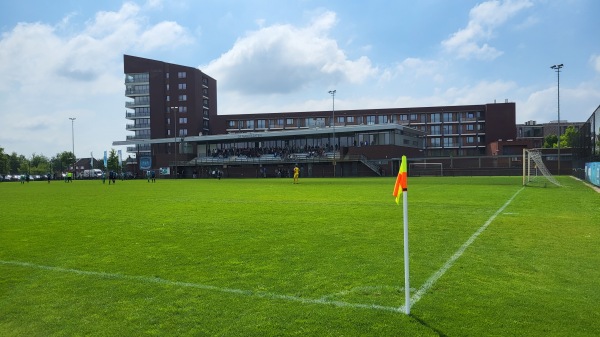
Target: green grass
{"points": [[261, 257]]}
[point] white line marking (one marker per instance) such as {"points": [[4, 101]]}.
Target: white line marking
{"points": [[249, 293], [433, 278]]}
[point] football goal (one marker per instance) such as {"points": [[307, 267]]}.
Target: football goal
{"points": [[534, 169], [425, 169]]}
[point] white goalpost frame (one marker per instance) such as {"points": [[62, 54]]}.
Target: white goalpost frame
{"points": [[535, 156], [411, 165]]}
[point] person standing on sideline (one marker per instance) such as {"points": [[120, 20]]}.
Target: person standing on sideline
{"points": [[296, 174]]}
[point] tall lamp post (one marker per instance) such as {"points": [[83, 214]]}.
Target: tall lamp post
{"points": [[332, 92], [73, 141], [175, 109], [557, 68]]}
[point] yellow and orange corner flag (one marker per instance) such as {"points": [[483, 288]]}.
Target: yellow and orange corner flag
{"points": [[401, 181]]}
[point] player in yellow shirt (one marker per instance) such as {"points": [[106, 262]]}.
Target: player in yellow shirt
{"points": [[296, 174]]}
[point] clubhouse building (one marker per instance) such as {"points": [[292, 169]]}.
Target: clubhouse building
{"points": [[177, 132]]}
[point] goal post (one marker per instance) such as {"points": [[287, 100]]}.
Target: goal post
{"points": [[533, 165], [426, 169]]}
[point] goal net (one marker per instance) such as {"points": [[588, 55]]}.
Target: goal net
{"points": [[534, 169], [425, 169]]}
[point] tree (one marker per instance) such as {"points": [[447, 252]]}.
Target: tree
{"points": [[62, 161], [570, 138], [113, 161], [550, 141], [3, 161]]}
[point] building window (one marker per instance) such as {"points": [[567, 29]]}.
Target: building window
{"points": [[447, 117], [403, 117], [470, 115], [182, 98], [383, 119], [205, 102], [183, 120], [448, 142], [182, 109], [470, 140], [183, 132], [447, 129], [370, 120], [435, 142], [167, 87], [182, 86], [240, 124], [167, 75], [205, 91], [204, 81], [413, 117], [205, 111], [181, 74], [435, 117], [350, 119], [260, 124], [480, 127], [168, 98], [470, 127], [289, 121], [250, 124], [434, 130]]}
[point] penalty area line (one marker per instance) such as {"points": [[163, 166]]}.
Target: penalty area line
{"points": [[433, 278], [241, 292]]}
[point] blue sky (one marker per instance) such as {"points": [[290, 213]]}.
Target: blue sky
{"points": [[61, 59]]}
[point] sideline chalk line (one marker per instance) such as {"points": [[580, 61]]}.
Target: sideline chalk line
{"points": [[433, 278], [249, 293]]}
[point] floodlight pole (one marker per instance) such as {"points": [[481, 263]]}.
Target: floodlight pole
{"points": [[332, 92], [73, 142], [557, 68]]}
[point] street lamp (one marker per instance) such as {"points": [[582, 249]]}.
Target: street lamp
{"points": [[557, 68], [175, 109], [332, 92], [73, 141]]}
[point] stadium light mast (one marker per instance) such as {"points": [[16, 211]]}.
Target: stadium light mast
{"points": [[73, 141], [332, 92], [557, 68], [175, 109]]}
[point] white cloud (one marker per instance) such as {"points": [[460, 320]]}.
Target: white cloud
{"points": [[282, 59], [484, 18], [49, 75], [595, 62]]}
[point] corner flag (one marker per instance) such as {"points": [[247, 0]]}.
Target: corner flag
{"points": [[402, 182]]}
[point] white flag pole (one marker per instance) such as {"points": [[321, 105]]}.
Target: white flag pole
{"points": [[406, 264]]}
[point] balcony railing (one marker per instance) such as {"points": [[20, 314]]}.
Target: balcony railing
{"points": [[137, 137], [137, 115], [134, 104], [137, 126], [131, 92]]}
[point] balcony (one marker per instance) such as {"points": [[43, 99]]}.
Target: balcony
{"points": [[134, 104], [136, 92], [139, 148], [137, 126], [134, 115], [137, 78], [137, 137]]}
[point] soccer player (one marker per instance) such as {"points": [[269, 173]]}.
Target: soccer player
{"points": [[296, 174]]}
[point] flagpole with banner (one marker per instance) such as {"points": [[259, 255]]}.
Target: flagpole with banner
{"points": [[402, 183]]}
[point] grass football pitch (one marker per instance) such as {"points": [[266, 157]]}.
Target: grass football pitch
{"points": [[265, 257]]}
